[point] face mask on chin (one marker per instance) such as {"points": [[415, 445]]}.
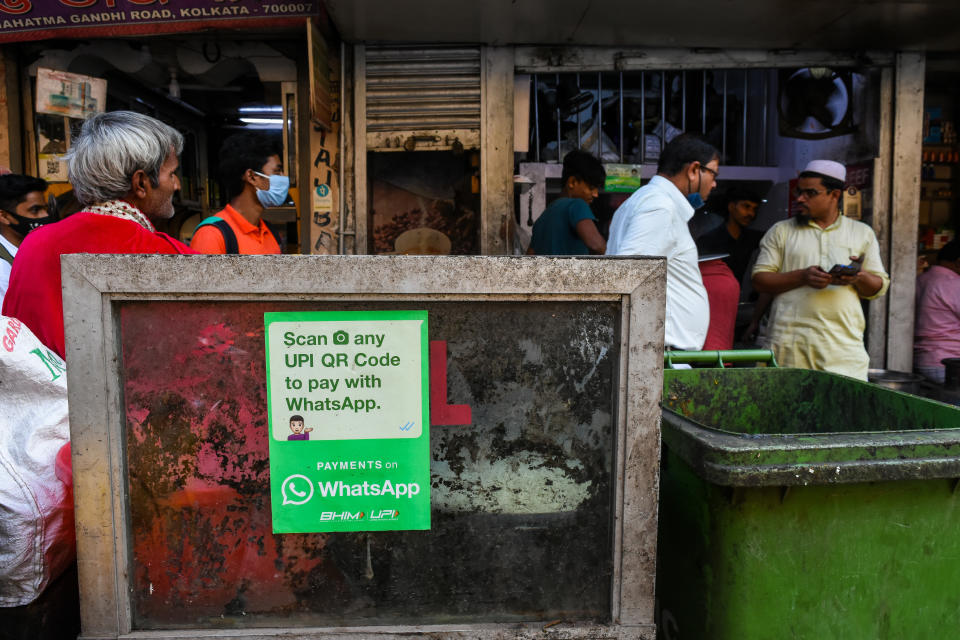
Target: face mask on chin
{"points": [[694, 198], [276, 195], [26, 225]]}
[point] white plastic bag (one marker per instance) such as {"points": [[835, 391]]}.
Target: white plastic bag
{"points": [[37, 538]]}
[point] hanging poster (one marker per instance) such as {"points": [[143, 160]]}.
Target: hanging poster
{"points": [[53, 139], [69, 94], [64, 100], [348, 407]]}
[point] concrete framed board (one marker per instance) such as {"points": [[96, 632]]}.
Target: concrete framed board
{"points": [[543, 491]]}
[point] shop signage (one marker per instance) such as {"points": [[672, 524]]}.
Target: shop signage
{"points": [[348, 406], [38, 19]]}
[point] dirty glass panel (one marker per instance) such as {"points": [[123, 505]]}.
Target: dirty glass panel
{"points": [[521, 498]]}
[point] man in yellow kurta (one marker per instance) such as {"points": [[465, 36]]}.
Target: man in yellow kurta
{"points": [[816, 321]]}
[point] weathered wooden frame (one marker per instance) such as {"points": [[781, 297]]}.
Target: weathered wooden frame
{"points": [[94, 286]]}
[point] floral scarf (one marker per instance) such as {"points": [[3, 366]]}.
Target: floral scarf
{"points": [[121, 209]]}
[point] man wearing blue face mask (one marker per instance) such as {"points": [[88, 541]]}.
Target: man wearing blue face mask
{"points": [[253, 178], [653, 222]]}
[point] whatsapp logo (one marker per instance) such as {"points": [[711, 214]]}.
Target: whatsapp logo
{"points": [[296, 489]]}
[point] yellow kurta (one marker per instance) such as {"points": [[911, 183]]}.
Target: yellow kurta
{"points": [[820, 328]]}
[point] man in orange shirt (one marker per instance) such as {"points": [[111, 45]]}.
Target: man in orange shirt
{"points": [[253, 177]]}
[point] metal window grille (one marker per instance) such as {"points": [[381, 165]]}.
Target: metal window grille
{"points": [[628, 116]]}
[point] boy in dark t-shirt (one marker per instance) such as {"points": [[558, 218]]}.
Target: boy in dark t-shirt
{"points": [[567, 226]]}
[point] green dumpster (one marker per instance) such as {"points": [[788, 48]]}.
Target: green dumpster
{"points": [[802, 504]]}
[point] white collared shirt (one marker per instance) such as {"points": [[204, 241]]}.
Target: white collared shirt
{"points": [[5, 268], [653, 222]]}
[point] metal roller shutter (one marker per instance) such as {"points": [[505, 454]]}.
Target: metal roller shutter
{"points": [[422, 96]]}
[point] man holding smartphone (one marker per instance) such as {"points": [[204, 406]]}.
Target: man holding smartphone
{"points": [[819, 265]]}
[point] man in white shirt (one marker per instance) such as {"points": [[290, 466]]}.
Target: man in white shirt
{"points": [[653, 222], [22, 209]]}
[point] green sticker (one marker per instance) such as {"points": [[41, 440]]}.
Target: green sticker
{"points": [[349, 420], [623, 177]]}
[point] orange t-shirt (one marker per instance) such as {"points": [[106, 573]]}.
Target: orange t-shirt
{"points": [[251, 239]]}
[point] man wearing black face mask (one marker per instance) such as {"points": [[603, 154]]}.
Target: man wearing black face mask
{"points": [[22, 209]]}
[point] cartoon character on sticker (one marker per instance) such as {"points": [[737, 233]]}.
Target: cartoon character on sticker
{"points": [[300, 432]]}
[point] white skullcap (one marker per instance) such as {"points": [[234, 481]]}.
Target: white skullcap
{"points": [[827, 168]]}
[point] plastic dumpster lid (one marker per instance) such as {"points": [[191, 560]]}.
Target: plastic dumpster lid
{"points": [[763, 410], [737, 460]]}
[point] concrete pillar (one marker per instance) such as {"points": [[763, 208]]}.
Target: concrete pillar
{"points": [[877, 314], [909, 75]]}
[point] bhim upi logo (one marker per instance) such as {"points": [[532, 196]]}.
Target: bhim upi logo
{"points": [[296, 489]]}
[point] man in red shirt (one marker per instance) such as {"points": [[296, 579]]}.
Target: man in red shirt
{"points": [[123, 169], [253, 177], [723, 294]]}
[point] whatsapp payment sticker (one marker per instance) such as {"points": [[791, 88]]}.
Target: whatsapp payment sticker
{"points": [[348, 406]]}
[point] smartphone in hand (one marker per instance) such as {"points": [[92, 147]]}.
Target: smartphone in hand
{"points": [[851, 269]]}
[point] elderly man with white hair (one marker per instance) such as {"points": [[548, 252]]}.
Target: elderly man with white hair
{"points": [[819, 265], [123, 170]]}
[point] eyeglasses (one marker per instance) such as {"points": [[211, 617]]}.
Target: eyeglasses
{"points": [[807, 193], [715, 174]]}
